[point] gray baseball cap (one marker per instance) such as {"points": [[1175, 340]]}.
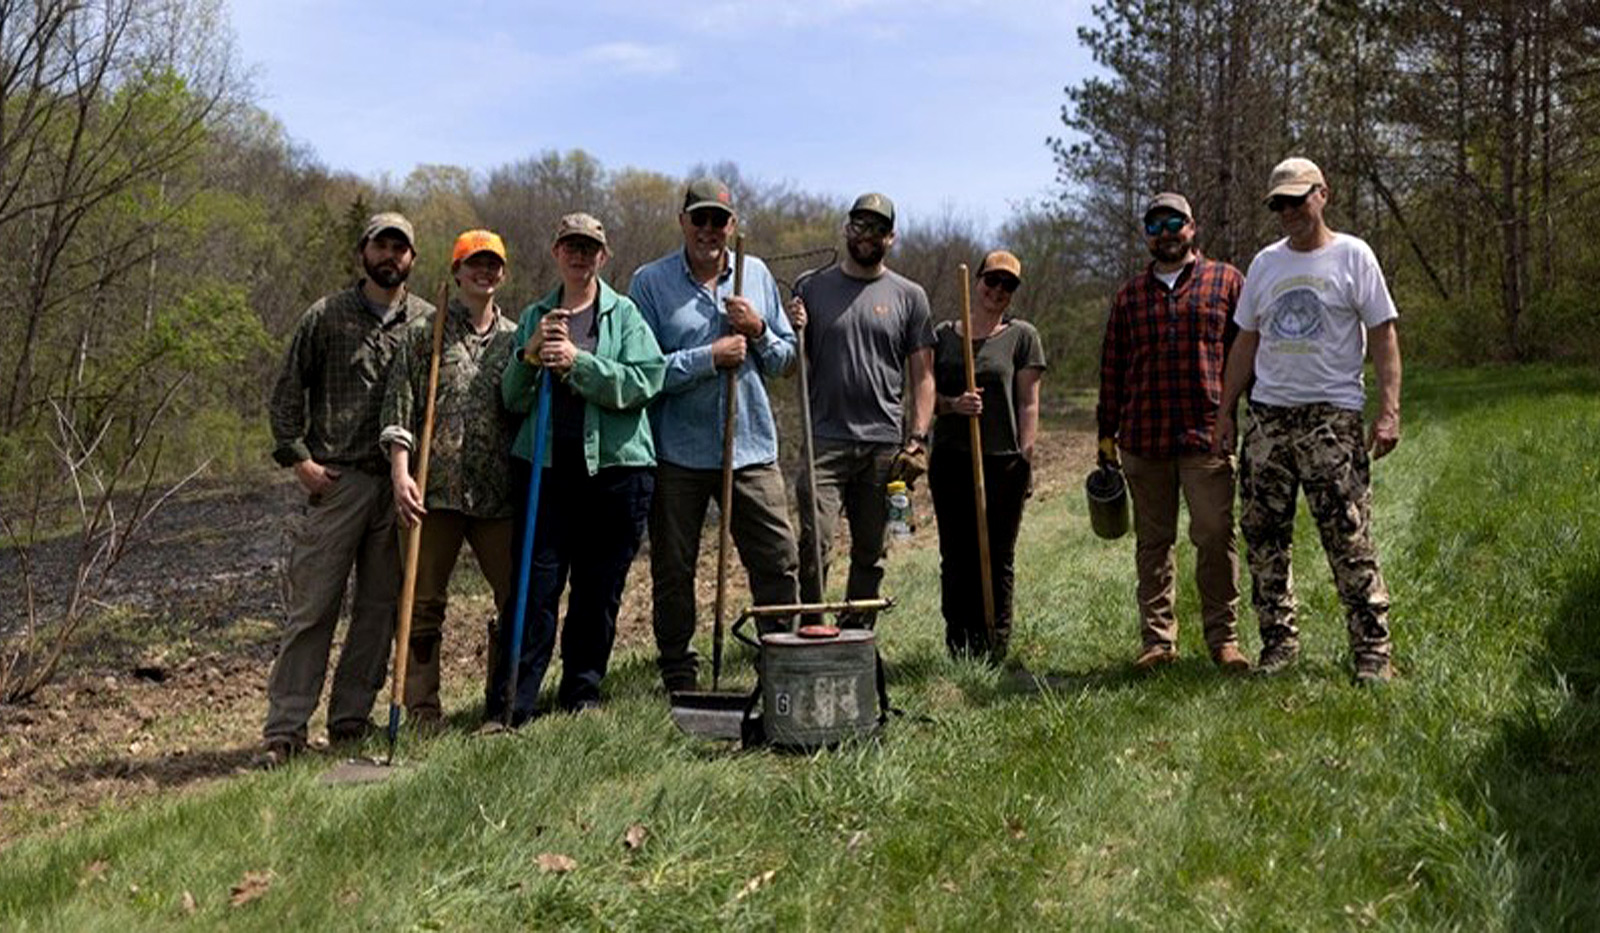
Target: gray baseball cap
{"points": [[1168, 200], [874, 203], [708, 192]]}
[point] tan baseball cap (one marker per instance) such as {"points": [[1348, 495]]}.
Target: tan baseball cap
{"points": [[1168, 200], [581, 224], [1294, 177], [389, 220], [1001, 261]]}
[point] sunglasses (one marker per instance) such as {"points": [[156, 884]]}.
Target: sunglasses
{"points": [[1280, 202], [863, 226], [1170, 224], [1000, 280], [710, 217]]}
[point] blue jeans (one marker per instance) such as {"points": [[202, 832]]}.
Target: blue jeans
{"points": [[588, 532]]}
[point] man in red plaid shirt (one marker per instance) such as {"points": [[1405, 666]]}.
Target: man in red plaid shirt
{"points": [[1160, 386]]}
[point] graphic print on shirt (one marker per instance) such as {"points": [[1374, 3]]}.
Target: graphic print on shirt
{"points": [[1297, 318]]}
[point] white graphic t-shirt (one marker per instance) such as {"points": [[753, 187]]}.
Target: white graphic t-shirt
{"points": [[1312, 310]]}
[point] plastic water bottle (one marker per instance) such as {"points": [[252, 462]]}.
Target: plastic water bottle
{"points": [[899, 511]]}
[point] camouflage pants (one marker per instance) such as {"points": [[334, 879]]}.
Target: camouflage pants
{"points": [[1318, 448]]}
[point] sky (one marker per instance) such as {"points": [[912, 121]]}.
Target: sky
{"points": [[944, 105]]}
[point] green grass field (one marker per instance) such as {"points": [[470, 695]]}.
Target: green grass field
{"points": [[1464, 795]]}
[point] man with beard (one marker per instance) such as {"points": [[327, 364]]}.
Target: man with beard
{"points": [[1315, 304], [707, 333], [866, 324], [1161, 373], [325, 423]]}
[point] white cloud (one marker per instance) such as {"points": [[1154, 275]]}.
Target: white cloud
{"points": [[632, 57]]}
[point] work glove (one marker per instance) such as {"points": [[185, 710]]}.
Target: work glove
{"points": [[1108, 453], [908, 466]]}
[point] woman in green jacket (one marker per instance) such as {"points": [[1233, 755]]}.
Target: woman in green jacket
{"points": [[594, 498]]}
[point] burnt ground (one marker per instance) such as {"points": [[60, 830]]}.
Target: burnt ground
{"points": [[164, 687]]}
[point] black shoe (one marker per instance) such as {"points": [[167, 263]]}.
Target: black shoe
{"points": [[1277, 658], [340, 733], [279, 750]]}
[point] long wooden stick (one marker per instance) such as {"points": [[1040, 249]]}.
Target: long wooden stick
{"points": [[976, 435], [413, 535], [725, 524]]}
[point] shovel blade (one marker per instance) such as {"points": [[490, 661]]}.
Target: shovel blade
{"points": [[358, 771], [708, 715]]}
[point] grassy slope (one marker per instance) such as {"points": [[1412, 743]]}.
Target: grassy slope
{"points": [[1465, 794]]}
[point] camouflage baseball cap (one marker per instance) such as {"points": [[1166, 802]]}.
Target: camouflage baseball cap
{"points": [[708, 192], [1169, 201], [473, 242], [875, 203], [389, 220], [581, 224]]}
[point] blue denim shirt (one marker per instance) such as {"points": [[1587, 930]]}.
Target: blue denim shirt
{"points": [[686, 316]]}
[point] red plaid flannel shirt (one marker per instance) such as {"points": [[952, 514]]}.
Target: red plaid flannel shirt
{"points": [[1161, 365]]}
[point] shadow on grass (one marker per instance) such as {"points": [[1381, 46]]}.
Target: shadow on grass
{"points": [[167, 771], [1541, 777]]}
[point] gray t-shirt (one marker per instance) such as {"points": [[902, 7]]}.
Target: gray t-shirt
{"points": [[996, 360], [859, 333]]}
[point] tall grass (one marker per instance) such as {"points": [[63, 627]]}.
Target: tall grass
{"points": [[1466, 794]]}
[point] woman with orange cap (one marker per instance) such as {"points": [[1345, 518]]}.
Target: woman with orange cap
{"points": [[1009, 361], [469, 498]]}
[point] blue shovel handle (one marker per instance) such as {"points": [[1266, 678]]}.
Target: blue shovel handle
{"points": [[541, 430]]}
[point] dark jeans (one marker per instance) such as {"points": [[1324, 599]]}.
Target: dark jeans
{"points": [[1005, 484], [588, 530]]}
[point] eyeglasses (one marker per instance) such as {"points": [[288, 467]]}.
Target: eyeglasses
{"points": [[1280, 202], [581, 245], [1170, 224], [1000, 280], [710, 217], [867, 226]]}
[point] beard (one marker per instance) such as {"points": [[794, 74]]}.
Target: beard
{"points": [[1168, 249], [866, 252], [388, 274]]}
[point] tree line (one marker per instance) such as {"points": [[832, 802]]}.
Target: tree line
{"points": [[159, 229]]}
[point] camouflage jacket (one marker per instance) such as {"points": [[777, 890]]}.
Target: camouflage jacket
{"points": [[326, 402], [472, 433]]}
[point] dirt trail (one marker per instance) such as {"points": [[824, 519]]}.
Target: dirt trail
{"points": [[167, 689]]}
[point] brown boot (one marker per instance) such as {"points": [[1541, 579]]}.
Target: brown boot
{"points": [[1153, 657], [1231, 660]]}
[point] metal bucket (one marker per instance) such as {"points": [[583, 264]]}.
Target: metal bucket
{"points": [[818, 691], [1108, 502]]}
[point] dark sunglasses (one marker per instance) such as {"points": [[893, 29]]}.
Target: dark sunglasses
{"points": [[866, 226], [710, 217], [1000, 280], [1169, 224], [1280, 202]]}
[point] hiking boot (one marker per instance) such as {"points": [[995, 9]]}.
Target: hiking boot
{"points": [[1231, 660], [1373, 670], [1153, 657], [356, 730], [426, 721], [278, 751], [1277, 658], [680, 683]]}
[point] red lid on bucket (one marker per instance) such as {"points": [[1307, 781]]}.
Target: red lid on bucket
{"points": [[818, 631]]}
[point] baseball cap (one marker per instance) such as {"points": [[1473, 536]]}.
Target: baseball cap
{"points": [[1001, 261], [1168, 200], [477, 241], [874, 203], [1294, 177], [581, 224], [389, 220], [708, 192]]}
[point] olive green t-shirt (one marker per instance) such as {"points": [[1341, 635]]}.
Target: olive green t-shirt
{"points": [[997, 359]]}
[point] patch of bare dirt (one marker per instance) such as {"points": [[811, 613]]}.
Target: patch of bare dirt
{"points": [[168, 691]]}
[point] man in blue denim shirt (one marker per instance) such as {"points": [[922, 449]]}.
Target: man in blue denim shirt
{"points": [[707, 333]]}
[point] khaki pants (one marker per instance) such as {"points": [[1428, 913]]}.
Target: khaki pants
{"points": [[350, 526], [1206, 483], [760, 528], [443, 533]]}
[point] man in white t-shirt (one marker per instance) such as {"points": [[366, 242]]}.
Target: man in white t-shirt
{"points": [[1312, 306]]}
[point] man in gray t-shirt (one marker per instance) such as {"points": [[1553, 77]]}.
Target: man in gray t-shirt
{"points": [[867, 325]]}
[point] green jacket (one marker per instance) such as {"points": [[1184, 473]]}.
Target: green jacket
{"points": [[616, 381]]}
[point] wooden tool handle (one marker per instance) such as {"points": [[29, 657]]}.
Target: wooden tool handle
{"points": [[975, 433]]}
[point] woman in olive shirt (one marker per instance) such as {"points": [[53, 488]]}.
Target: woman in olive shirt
{"points": [[1009, 361]]}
